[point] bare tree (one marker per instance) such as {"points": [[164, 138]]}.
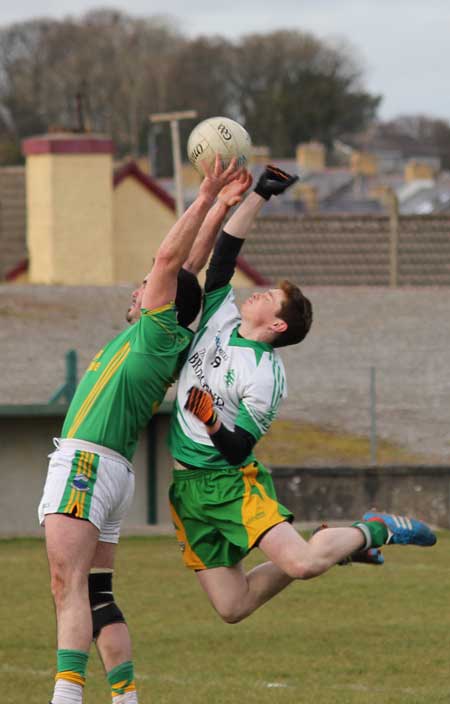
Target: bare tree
{"points": [[286, 86]]}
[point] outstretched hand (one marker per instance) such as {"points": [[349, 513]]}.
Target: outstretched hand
{"points": [[273, 181], [217, 177], [232, 193]]}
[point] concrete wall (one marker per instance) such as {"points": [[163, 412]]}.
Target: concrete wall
{"points": [[313, 494], [343, 494], [25, 443]]}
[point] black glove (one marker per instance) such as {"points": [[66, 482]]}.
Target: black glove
{"points": [[273, 181]]}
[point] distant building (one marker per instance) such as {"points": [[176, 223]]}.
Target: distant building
{"points": [[69, 218]]}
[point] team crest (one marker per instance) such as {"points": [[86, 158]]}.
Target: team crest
{"points": [[80, 482]]}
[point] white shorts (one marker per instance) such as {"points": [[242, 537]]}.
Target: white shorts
{"points": [[89, 482]]}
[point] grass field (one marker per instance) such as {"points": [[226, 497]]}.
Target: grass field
{"points": [[292, 443], [357, 635]]}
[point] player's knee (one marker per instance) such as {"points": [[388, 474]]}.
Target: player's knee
{"points": [[230, 616], [230, 612], [64, 580], [301, 569], [103, 607]]}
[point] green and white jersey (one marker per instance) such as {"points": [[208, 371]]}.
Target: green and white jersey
{"points": [[127, 380], [246, 379]]}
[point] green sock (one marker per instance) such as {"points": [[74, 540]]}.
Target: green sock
{"points": [[374, 532], [72, 665], [121, 678]]}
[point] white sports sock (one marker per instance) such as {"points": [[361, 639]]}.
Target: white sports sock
{"points": [[66, 692], [127, 698]]}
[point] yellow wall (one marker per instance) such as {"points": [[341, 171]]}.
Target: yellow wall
{"points": [[311, 156], [40, 218], [418, 170], [69, 203], [364, 163], [239, 280], [260, 155], [141, 220], [83, 231], [190, 177], [309, 195]]}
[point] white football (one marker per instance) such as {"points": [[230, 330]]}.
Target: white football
{"points": [[218, 135]]}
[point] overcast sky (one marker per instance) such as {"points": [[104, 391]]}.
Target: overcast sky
{"points": [[405, 44]]}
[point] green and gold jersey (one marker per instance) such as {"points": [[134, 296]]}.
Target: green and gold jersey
{"points": [[127, 380], [245, 378]]}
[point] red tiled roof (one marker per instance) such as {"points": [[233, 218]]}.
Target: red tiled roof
{"points": [[131, 169], [19, 269], [149, 183]]}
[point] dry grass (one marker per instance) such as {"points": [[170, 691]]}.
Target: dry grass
{"points": [[289, 442]]}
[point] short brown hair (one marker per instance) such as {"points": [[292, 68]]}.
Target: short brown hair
{"points": [[296, 311]]}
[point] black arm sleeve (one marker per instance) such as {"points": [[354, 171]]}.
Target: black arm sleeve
{"points": [[223, 261], [235, 445]]}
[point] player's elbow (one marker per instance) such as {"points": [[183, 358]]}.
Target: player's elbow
{"points": [[167, 260]]}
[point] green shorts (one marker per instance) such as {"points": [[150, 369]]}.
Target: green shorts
{"points": [[219, 515]]}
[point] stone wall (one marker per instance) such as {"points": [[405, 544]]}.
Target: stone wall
{"points": [[344, 494]]}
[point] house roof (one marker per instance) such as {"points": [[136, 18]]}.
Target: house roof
{"points": [[425, 196], [131, 169], [18, 263]]}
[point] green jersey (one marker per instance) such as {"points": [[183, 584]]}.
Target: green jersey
{"points": [[127, 380], [245, 378]]}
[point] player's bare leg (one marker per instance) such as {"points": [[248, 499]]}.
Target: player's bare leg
{"points": [[114, 641], [235, 594], [302, 559], [71, 547]]}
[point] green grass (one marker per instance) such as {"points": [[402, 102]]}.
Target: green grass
{"points": [[296, 444], [357, 635]]}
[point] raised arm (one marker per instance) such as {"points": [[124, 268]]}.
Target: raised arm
{"points": [[229, 196], [272, 181], [161, 282]]}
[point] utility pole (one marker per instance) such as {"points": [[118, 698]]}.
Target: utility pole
{"points": [[392, 203], [174, 119]]}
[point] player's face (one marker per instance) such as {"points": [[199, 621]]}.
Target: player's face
{"points": [[263, 308], [134, 311]]}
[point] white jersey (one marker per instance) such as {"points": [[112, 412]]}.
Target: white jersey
{"points": [[246, 379]]}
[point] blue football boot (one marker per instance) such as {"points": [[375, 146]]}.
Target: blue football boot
{"points": [[403, 530]]}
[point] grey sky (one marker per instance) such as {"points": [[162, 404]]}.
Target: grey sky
{"points": [[405, 44]]}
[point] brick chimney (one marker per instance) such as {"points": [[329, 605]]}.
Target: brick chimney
{"points": [[308, 194], [364, 164], [260, 155], [418, 171], [311, 156], [69, 207]]}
